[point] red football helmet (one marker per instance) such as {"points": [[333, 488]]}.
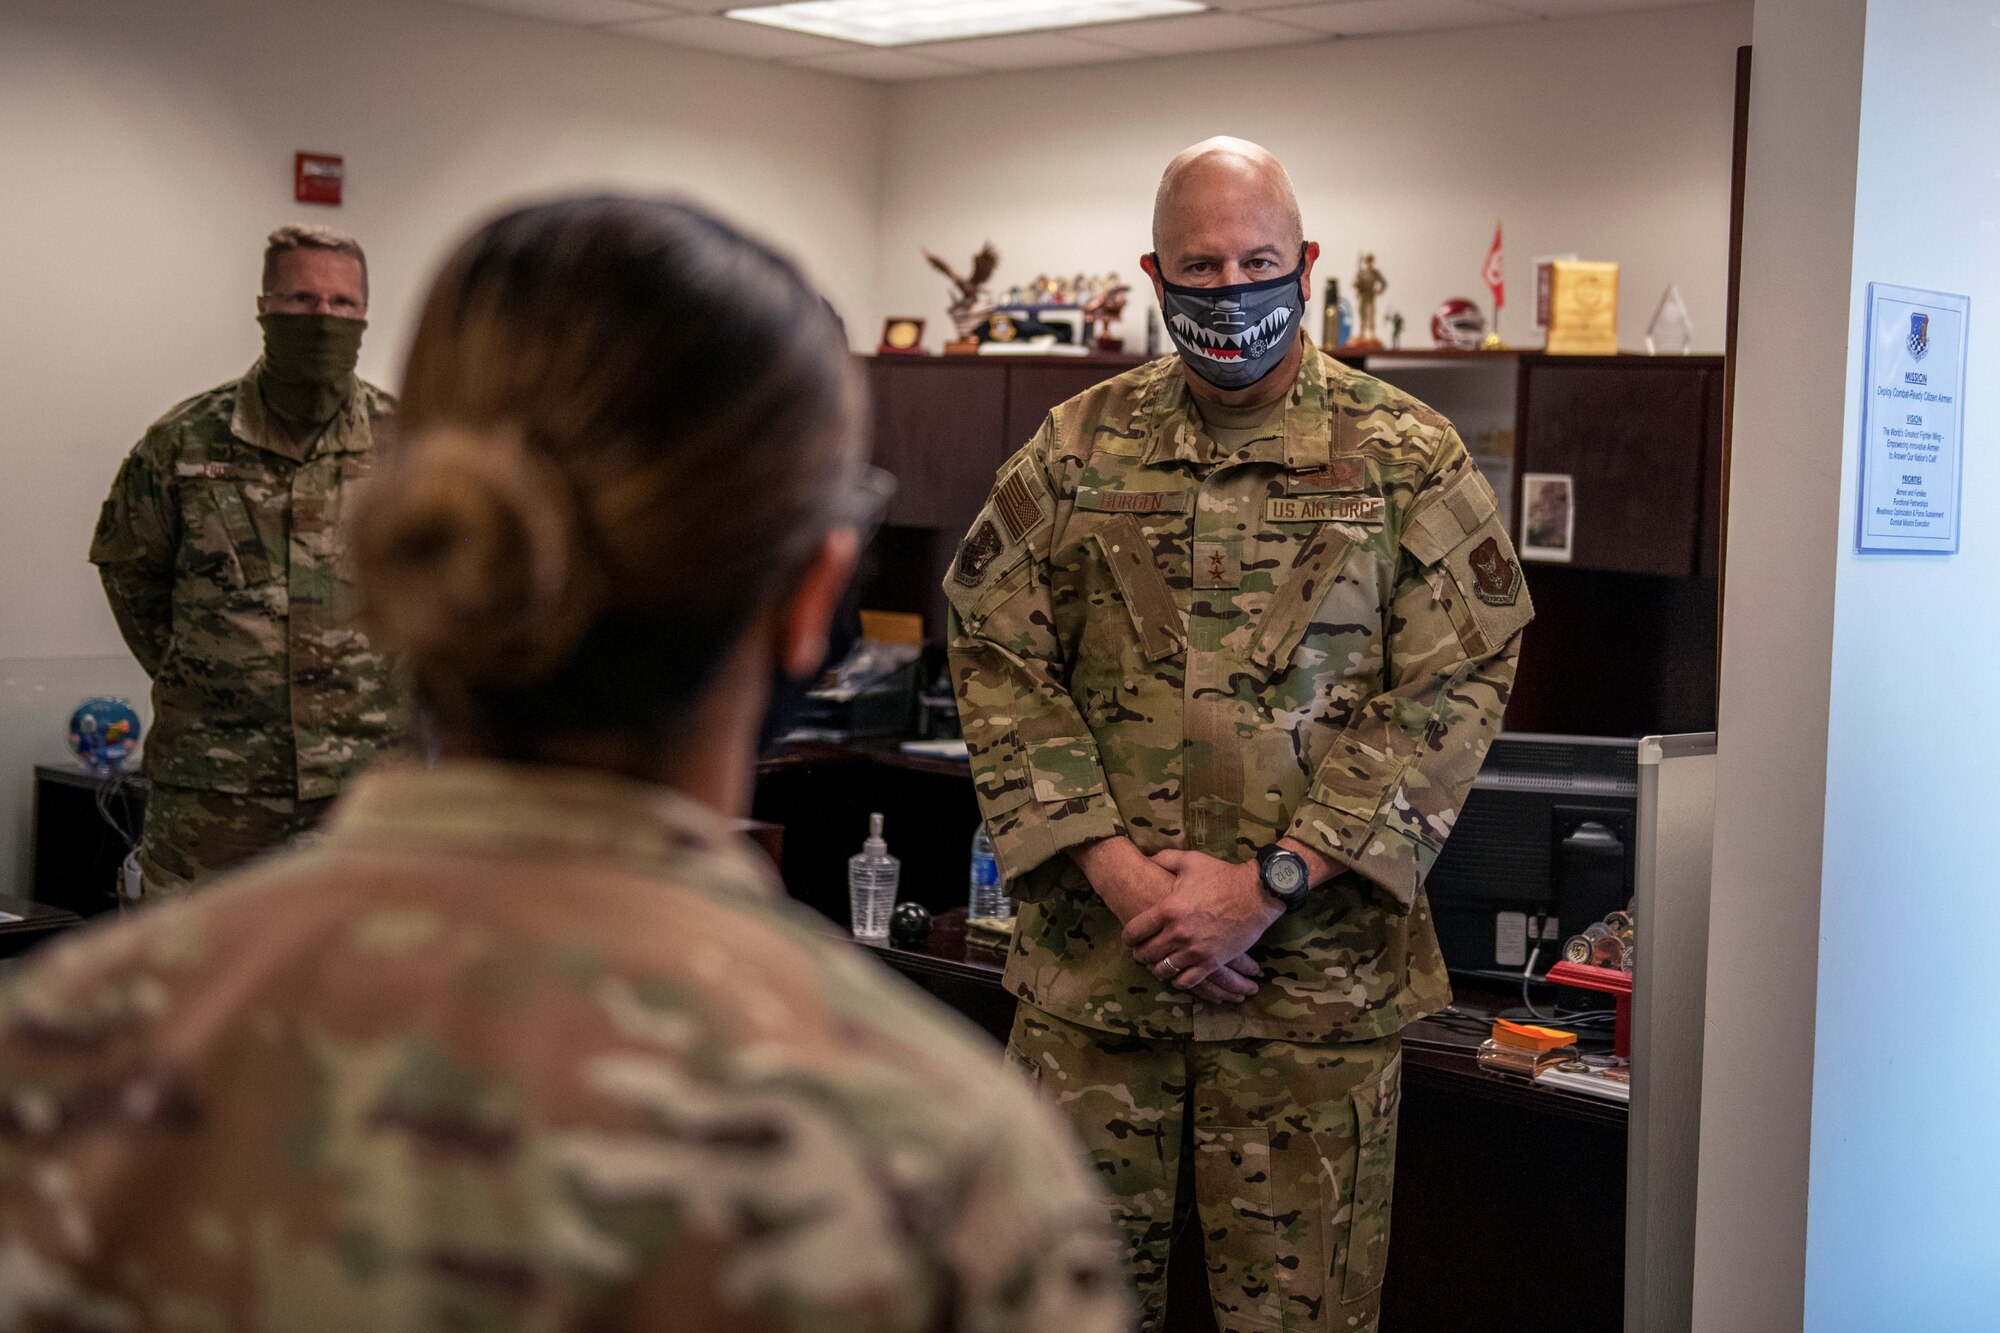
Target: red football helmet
{"points": [[1458, 326]]}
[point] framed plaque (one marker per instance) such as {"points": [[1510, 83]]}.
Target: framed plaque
{"points": [[1912, 421], [1583, 308], [901, 335]]}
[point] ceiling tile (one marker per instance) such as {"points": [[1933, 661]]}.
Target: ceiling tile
{"points": [[892, 66], [573, 11], [1194, 33], [1582, 8], [1032, 50], [735, 38], [1361, 18]]}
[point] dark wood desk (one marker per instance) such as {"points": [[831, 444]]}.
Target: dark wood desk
{"points": [[82, 824], [1494, 1177], [37, 922]]}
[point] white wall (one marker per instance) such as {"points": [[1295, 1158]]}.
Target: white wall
{"points": [[1903, 1227], [1854, 871], [146, 149], [1609, 138]]}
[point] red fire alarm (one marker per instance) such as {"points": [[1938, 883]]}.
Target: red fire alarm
{"points": [[317, 177]]}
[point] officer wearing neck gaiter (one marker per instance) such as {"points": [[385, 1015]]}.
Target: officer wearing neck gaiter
{"points": [[222, 554], [1230, 641]]}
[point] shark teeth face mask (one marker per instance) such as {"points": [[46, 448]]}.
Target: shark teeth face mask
{"points": [[1234, 336]]}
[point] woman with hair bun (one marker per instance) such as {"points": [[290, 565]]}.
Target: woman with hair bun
{"points": [[532, 1040]]}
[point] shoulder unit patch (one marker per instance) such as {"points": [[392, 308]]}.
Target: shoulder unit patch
{"points": [[1495, 574], [981, 546]]}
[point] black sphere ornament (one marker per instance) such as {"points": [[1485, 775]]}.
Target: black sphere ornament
{"points": [[909, 925]]}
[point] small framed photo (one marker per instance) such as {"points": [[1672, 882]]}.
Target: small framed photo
{"points": [[1548, 516], [902, 335]]}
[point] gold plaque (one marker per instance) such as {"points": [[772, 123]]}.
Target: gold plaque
{"points": [[1583, 308], [901, 334]]}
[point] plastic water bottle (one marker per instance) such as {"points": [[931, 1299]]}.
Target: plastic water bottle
{"points": [[989, 898], [871, 885]]}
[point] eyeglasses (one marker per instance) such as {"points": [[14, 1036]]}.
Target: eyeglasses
{"points": [[866, 503]]}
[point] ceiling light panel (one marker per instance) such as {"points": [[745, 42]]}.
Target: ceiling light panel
{"points": [[902, 22]]}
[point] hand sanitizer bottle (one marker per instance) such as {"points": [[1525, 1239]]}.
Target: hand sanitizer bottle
{"points": [[871, 885]]}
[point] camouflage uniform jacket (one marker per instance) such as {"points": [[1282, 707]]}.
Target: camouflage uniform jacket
{"points": [[520, 1050], [1312, 635], [221, 551]]}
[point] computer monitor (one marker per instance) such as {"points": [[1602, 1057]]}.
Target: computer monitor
{"points": [[1543, 847]]}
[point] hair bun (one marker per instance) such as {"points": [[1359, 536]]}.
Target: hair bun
{"points": [[471, 550]]}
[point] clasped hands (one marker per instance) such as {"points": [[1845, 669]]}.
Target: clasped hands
{"points": [[1189, 918]]}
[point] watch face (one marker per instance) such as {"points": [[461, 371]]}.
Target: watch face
{"points": [[1285, 873]]}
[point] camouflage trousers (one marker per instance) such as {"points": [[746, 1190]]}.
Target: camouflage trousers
{"points": [[1284, 1155], [192, 836]]}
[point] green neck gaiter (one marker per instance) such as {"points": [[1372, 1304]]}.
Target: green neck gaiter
{"points": [[309, 365]]}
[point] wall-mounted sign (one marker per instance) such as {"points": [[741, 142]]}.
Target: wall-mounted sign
{"points": [[1912, 421], [317, 178]]}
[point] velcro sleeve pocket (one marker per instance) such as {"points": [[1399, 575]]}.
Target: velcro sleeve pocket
{"points": [[1492, 596], [1459, 533], [1441, 525], [975, 602], [1354, 778], [1065, 769]]}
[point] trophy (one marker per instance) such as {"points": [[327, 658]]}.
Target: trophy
{"points": [[1369, 284], [1671, 323], [971, 303], [1103, 310]]}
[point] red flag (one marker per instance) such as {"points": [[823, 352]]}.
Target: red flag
{"points": [[1493, 275]]}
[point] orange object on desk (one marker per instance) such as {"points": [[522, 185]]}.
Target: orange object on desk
{"points": [[1529, 1037]]}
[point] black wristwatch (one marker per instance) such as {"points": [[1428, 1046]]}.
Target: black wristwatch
{"points": [[1284, 875]]}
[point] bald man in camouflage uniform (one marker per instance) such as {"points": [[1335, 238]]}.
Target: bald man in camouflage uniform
{"points": [[1197, 622], [221, 552], [636, 1089]]}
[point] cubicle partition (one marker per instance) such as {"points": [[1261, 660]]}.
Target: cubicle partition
{"points": [[1669, 983]]}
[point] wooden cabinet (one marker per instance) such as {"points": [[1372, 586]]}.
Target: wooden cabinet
{"points": [[940, 426], [1641, 437], [944, 425], [1033, 389], [1624, 638]]}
